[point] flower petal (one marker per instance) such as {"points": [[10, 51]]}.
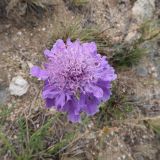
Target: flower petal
{"points": [[90, 47], [49, 102], [105, 85], [95, 90], [60, 100], [91, 105], [58, 46], [50, 93], [48, 53], [73, 118], [73, 110], [68, 42], [108, 74], [39, 73], [77, 78]]}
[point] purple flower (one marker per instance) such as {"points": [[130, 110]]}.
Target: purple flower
{"points": [[76, 78]]}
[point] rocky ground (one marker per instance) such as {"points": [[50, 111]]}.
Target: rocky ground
{"points": [[132, 134]]}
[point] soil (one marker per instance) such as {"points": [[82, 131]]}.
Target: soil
{"points": [[22, 46]]}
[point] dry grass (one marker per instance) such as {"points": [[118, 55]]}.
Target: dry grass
{"points": [[77, 6], [74, 30], [24, 11], [42, 135], [121, 54]]}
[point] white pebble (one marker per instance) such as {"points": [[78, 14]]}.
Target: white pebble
{"points": [[123, 156], [19, 33], [18, 86]]}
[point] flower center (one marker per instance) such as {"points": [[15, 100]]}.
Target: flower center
{"points": [[73, 78]]}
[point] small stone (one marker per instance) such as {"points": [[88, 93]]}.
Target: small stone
{"points": [[132, 36], [139, 157], [18, 86], [144, 137], [153, 69], [15, 137], [92, 136], [155, 75], [19, 33], [158, 77], [112, 133], [141, 71], [121, 145], [3, 95], [158, 70], [37, 125], [36, 109], [143, 10], [30, 65], [147, 106], [123, 156]]}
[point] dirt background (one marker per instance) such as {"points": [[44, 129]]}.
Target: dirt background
{"points": [[22, 42]]}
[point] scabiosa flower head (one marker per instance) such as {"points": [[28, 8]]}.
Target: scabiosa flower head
{"points": [[76, 78]]}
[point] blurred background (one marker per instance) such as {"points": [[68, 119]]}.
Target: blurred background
{"points": [[127, 126]]}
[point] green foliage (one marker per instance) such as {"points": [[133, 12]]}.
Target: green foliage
{"points": [[125, 56], [74, 31], [78, 3], [154, 125], [7, 144], [30, 142], [150, 30], [4, 113], [36, 140], [28, 5], [25, 12], [77, 6], [38, 3], [60, 145], [116, 108], [22, 130]]}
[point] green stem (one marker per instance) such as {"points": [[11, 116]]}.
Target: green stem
{"points": [[8, 144]]}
